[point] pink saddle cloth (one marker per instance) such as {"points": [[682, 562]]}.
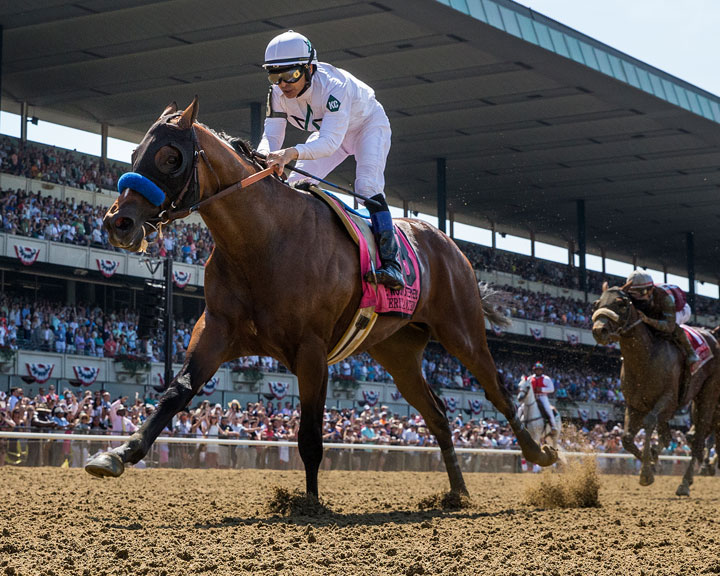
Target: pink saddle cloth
{"points": [[396, 303]]}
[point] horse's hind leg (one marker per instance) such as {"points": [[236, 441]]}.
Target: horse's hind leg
{"points": [[704, 405], [401, 355], [463, 335]]}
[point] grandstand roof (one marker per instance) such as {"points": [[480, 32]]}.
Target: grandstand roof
{"points": [[530, 114]]}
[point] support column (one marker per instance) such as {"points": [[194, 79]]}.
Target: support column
{"points": [[532, 244], [665, 273], [571, 253], [70, 293], [634, 261], [493, 233], [256, 124], [602, 256], [582, 272], [441, 192], [406, 208], [690, 245], [23, 121], [452, 224], [103, 141]]}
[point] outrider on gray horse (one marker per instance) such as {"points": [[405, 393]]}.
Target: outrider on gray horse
{"points": [[650, 378], [263, 295]]}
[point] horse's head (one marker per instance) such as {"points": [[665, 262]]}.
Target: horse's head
{"points": [[164, 170], [523, 388], [611, 314]]}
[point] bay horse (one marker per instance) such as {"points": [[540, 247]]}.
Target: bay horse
{"points": [[650, 380], [283, 281], [529, 414]]}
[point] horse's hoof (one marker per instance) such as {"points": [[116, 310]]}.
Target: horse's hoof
{"points": [[106, 464], [550, 456], [646, 479], [683, 490]]}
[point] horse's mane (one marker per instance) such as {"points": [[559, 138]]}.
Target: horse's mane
{"points": [[242, 147]]}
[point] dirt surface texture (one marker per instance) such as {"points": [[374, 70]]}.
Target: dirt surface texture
{"points": [[56, 522]]}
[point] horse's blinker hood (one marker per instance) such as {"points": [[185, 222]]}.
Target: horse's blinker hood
{"points": [[147, 178]]}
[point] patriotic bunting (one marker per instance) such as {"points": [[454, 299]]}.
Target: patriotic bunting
{"points": [[496, 330], [159, 387], [476, 406], [107, 267], [536, 333], [583, 414], [181, 278], [27, 255], [603, 415], [572, 337], [41, 372], [210, 386], [371, 397], [86, 375], [279, 389], [451, 403], [396, 395]]}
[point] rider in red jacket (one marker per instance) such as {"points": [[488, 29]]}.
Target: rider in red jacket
{"points": [[542, 386]]}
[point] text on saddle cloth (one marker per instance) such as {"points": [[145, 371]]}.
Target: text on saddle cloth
{"points": [[700, 345], [393, 303]]}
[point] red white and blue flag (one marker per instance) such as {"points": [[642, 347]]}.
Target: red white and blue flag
{"points": [[86, 374], [476, 406], [371, 397], [396, 395], [583, 414], [603, 415], [181, 278], [41, 372], [210, 386], [572, 337], [107, 267], [279, 389], [536, 333], [26, 254], [451, 403]]}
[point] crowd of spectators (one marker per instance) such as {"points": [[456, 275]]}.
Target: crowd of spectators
{"points": [[95, 412], [58, 165]]}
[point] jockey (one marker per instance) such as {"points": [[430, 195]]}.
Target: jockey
{"points": [[542, 386], [657, 308], [344, 119]]}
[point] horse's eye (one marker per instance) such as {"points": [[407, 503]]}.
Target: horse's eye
{"points": [[168, 160]]}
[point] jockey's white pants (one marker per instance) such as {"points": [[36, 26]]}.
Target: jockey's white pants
{"points": [[370, 146], [543, 399], [682, 316]]}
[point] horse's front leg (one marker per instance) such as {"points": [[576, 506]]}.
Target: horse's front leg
{"points": [[649, 423], [205, 354], [312, 374]]}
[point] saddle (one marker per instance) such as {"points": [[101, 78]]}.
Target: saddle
{"points": [[376, 299]]}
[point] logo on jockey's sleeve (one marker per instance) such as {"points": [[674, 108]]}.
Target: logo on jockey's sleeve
{"points": [[333, 104]]}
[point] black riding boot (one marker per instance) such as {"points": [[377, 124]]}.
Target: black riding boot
{"points": [[390, 273]]}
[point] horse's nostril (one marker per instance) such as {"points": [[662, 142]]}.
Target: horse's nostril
{"points": [[122, 223]]}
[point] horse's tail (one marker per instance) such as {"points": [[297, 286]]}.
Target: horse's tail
{"points": [[490, 298]]}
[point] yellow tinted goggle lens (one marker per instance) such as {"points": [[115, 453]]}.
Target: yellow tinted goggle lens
{"points": [[288, 76]]}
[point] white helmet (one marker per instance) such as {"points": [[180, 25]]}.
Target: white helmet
{"points": [[289, 49], [639, 281]]}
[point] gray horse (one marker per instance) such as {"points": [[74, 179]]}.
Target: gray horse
{"points": [[650, 377]]}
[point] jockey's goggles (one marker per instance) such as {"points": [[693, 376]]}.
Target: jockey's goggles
{"points": [[289, 75], [640, 291]]}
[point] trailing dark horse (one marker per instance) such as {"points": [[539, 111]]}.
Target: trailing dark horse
{"points": [[284, 281], [650, 380]]}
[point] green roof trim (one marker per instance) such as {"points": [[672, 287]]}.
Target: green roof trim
{"points": [[537, 29]]}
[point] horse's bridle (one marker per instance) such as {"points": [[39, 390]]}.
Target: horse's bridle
{"points": [[174, 211], [615, 319]]}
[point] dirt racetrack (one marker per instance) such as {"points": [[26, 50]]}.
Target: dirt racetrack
{"points": [[57, 522]]}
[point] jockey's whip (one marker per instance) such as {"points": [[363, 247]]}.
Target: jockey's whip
{"points": [[336, 186]]}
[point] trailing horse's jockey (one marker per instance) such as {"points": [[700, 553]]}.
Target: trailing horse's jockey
{"points": [[663, 308], [542, 386], [344, 119]]}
